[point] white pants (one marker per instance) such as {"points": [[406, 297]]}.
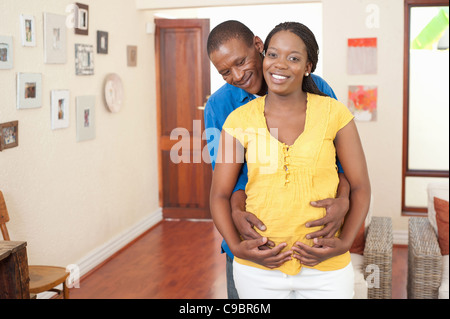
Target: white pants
{"points": [[255, 283]]}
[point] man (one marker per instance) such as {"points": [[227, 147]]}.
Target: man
{"points": [[237, 55]]}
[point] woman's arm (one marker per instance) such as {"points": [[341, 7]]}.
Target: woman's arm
{"points": [[227, 168], [351, 155]]}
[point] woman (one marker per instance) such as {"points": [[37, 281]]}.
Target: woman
{"points": [[290, 138]]}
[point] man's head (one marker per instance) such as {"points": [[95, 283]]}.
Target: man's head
{"points": [[237, 55]]}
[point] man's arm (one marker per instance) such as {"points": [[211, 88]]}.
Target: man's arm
{"points": [[336, 209]]}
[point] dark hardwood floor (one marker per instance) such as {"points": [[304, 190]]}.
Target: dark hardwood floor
{"points": [[179, 260]]}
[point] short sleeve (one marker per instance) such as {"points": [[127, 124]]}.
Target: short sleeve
{"points": [[343, 116], [234, 126]]}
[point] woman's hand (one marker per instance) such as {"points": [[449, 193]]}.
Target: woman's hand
{"points": [[270, 258], [323, 249]]}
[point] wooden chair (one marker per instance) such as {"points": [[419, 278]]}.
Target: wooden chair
{"points": [[42, 278]]}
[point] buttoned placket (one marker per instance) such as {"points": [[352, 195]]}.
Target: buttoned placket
{"points": [[286, 163]]}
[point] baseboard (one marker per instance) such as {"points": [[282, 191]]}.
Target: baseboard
{"points": [[400, 237], [102, 253]]}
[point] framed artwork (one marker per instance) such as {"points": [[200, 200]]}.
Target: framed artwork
{"points": [[362, 56], [9, 135], [82, 19], [28, 30], [85, 109], [84, 59], [113, 93], [55, 39], [362, 102], [131, 55], [6, 52], [102, 42], [29, 90], [60, 110]]}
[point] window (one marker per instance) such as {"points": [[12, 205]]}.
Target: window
{"points": [[426, 101]]}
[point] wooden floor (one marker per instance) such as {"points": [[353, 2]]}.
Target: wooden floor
{"points": [[179, 260]]}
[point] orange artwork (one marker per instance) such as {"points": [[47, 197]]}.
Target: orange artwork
{"points": [[362, 102]]}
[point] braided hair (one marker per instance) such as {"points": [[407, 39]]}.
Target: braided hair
{"points": [[312, 48]]}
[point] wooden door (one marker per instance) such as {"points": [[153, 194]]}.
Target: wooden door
{"points": [[183, 83]]}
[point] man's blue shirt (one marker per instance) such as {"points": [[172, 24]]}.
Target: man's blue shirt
{"points": [[220, 104]]}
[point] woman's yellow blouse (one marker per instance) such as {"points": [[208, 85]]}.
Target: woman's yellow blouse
{"points": [[284, 179]]}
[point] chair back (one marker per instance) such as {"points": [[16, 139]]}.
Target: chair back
{"points": [[4, 217]]}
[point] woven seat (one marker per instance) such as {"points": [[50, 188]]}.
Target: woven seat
{"points": [[378, 258], [424, 260], [427, 268]]}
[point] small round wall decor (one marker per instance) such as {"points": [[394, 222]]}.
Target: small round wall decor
{"points": [[113, 92]]}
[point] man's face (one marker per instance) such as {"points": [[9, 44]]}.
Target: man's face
{"points": [[240, 65]]}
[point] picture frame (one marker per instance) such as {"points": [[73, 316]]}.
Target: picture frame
{"points": [[60, 108], [29, 90], [28, 30], [85, 113], [6, 52], [131, 55], [9, 135], [55, 38], [362, 102], [84, 59], [102, 42], [82, 19]]}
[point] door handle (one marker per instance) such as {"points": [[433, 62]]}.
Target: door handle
{"points": [[202, 107]]}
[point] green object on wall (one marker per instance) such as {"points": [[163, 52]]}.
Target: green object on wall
{"points": [[432, 32]]}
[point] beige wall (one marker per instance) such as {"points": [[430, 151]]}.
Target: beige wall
{"points": [[382, 139], [65, 198]]}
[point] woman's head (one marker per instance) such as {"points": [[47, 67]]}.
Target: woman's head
{"points": [[308, 45]]}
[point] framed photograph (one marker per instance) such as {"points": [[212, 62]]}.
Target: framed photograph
{"points": [[29, 90], [55, 39], [102, 42], [85, 109], [131, 55], [9, 135], [84, 59], [6, 52], [28, 30], [60, 108], [82, 19]]}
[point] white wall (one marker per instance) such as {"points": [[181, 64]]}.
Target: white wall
{"points": [[382, 139], [65, 198]]}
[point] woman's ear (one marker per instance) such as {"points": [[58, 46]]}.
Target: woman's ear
{"points": [[259, 44], [308, 67]]}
